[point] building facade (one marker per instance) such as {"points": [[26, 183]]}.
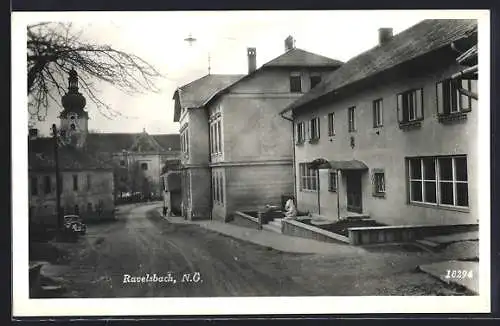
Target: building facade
{"points": [[95, 167], [395, 141], [238, 139], [194, 137], [86, 185]]}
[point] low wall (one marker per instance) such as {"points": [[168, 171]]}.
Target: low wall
{"points": [[245, 220], [406, 233], [373, 234], [299, 229]]}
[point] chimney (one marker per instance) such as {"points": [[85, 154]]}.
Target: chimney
{"points": [[252, 59], [289, 43], [384, 35], [33, 133]]}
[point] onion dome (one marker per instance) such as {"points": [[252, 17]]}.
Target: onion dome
{"points": [[73, 101]]}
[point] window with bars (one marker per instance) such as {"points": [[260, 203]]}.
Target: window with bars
{"points": [[332, 181], [308, 178], [440, 181], [351, 118], [378, 182], [331, 124], [378, 113], [314, 128], [295, 82], [301, 136], [450, 100], [410, 106]]}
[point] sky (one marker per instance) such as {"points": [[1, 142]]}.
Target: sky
{"points": [[158, 37]]}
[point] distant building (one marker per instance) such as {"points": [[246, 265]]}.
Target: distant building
{"points": [[86, 183], [127, 162], [392, 135], [236, 150]]}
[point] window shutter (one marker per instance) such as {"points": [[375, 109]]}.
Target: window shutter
{"points": [[439, 98], [418, 104], [318, 133], [307, 130], [473, 86], [464, 99], [400, 108], [374, 109], [473, 89]]}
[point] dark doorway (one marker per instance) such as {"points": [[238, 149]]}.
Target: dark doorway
{"points": [[354, 193]]}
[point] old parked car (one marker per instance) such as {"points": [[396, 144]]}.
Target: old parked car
{"points": [[74, 224]]}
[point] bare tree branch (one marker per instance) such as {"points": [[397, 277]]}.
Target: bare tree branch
{"points": [[53, 49]]}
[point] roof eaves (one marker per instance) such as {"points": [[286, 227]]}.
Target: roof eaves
{"points": [[294, 106]]}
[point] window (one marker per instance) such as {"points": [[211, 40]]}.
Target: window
{"points": [[331, 124], [216, 134], [308, 178], [440, 181], [410, 107], [214, 189], [219, 144], [89, 207], [351, 116], [47, 184], [332, 181], [77, 209], [122, 162], [449, 99], [144, 166], [295, 82], [184, 141], [218, 187], [34, 186], [314, 127], [300, 133], [378, 183], [315, 80], [378, 113], [75, 182], [89, 181], [221, 188]]}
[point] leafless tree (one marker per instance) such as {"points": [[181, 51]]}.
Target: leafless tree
{"points": [[53, 49]]}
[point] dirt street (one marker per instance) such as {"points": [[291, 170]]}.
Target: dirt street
{"points": [[106, 261]]}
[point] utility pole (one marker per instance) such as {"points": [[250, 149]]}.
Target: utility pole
{"points": [[58, 178]]}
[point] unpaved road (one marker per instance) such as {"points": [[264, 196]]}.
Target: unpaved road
{"points": [[141, 243]]}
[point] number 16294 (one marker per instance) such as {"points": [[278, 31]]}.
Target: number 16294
{"points": [[453, 273]]}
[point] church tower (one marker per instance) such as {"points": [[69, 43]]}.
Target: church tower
{"points": [[74, 119]]}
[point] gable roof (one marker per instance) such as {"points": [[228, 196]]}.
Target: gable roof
{"points": [[197, 92], [41, 157], [420, 39], [295, 58], [117, 142], [301, 58]]}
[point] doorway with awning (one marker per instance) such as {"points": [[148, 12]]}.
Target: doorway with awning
{"points": [[347, 177]]}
